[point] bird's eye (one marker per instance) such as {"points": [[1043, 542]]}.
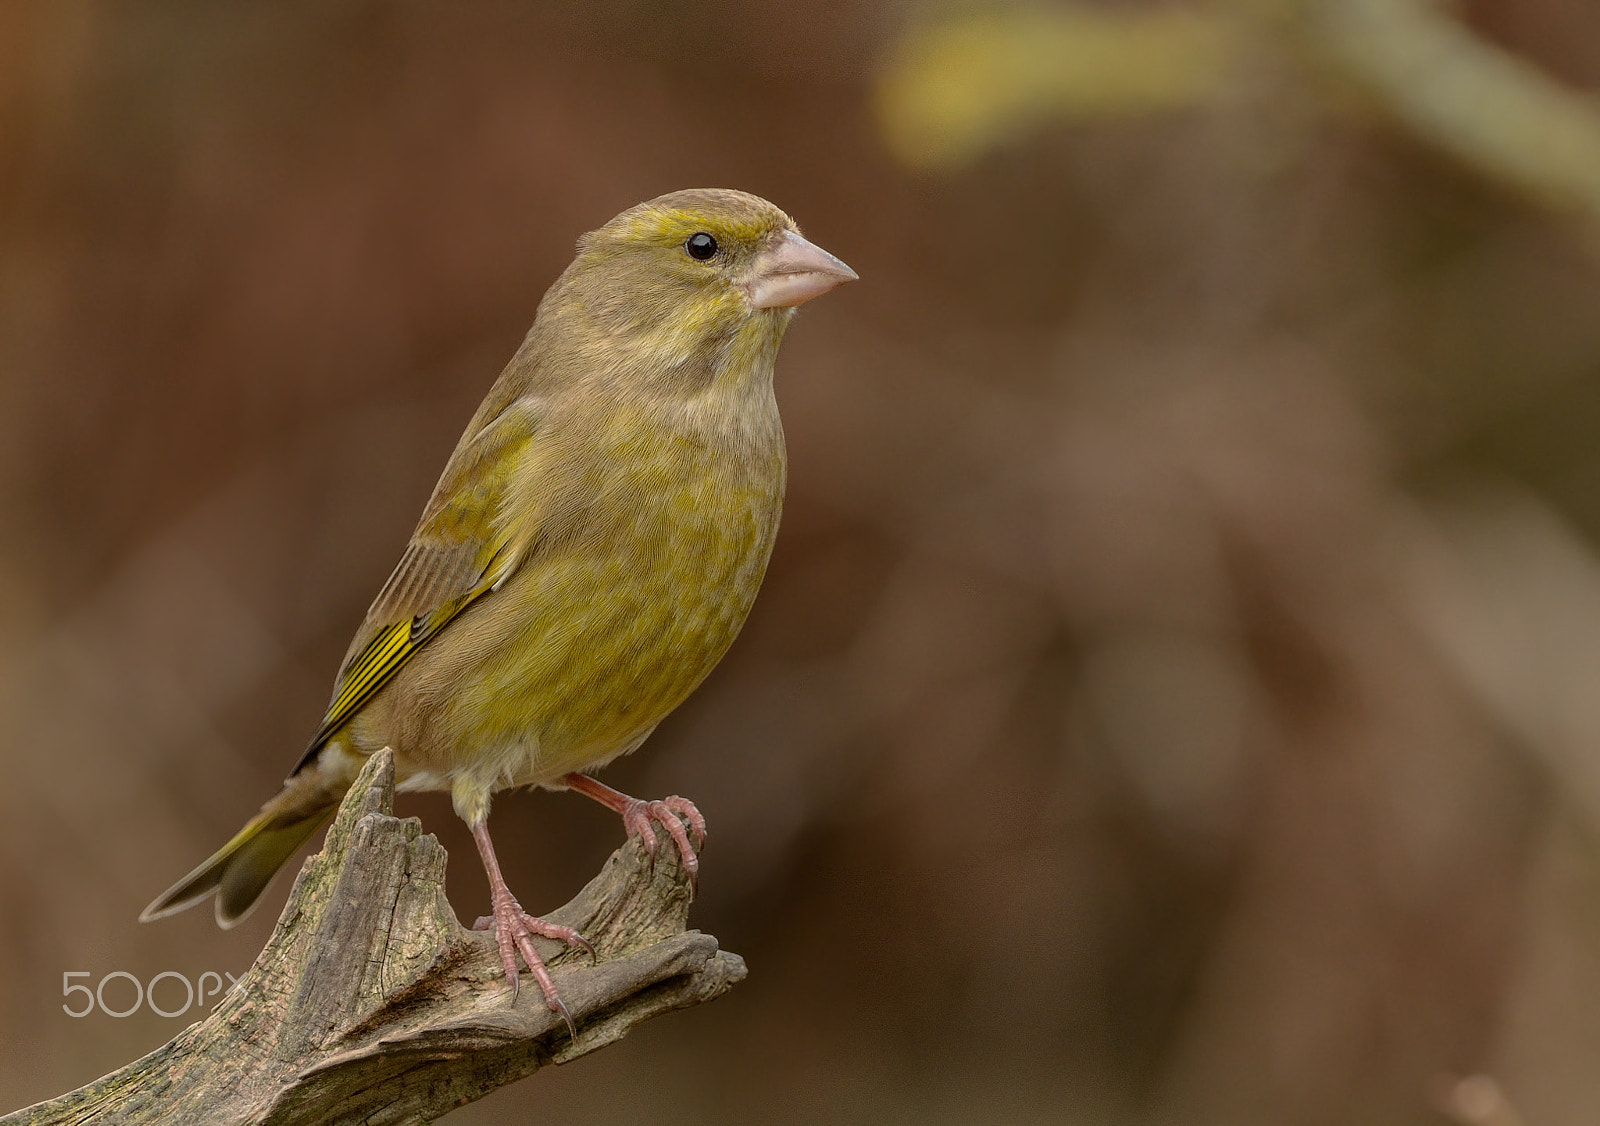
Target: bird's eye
{"points": [[701, 246]]}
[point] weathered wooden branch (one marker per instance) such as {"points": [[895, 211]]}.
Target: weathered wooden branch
{"points": [[372, 1004]]}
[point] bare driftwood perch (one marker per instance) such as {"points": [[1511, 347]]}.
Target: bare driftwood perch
{"points": [[372, 1004]]}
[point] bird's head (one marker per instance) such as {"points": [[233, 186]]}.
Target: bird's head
{"points": [[694, 273]]}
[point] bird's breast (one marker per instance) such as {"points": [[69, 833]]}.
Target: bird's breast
{"points": [[646, 561]]}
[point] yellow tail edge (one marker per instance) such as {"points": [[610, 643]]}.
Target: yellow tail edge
{"points": [[240, 870]]}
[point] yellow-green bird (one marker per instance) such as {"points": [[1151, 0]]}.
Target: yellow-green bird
{"points": [[590, 552]]}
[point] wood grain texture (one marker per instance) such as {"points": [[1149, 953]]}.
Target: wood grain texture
{"points": [[372, 1004]]}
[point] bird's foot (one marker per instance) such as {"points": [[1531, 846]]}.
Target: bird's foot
{"points": [[513, 930], [670, 814]]}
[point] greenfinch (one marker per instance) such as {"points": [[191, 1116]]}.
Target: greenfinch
{"points": [[588, 555]]}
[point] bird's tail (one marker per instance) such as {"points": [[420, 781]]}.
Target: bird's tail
{"points": [[240, 870]]}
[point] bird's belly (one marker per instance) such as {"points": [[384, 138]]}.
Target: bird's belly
{"points": [[583, 651]]}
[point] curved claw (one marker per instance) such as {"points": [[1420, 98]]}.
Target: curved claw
{"points": [[560, 1006]]}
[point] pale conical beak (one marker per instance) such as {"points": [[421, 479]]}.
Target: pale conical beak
{"points": [[793, 272]]}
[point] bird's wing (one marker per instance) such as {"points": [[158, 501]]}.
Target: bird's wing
{"points": [[460, 551]]}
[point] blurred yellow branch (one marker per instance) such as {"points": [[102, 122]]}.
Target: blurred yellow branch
{"points": [[958, 87], [955, 88]]}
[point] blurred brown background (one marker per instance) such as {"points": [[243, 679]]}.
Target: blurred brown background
{"points": [[1176, 694]]}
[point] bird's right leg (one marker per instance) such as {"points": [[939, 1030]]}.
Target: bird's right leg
{"points": [[514, 929], [637, 815]]}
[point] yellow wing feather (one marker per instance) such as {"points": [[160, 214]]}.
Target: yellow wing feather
{"points": [[460, 552]]}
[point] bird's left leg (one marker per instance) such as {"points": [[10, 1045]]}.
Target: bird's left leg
{"points": [[669, 813], [514, 929]]}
